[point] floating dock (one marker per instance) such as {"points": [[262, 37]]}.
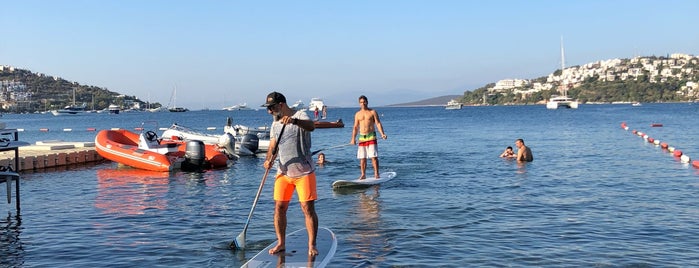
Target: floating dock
{"points": [[51, 154]]}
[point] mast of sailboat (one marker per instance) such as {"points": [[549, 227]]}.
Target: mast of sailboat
{"points": [[563, 67]]}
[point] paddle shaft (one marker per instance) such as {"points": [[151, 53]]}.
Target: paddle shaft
{"points": [[336, 146], [259, 189]]}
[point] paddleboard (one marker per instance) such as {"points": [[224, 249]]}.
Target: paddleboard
{"points": [[296, 253], [384, 177]]}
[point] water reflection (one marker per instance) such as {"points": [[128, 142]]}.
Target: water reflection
{"points": [[368, 238], [130, 191], [11, 248]]}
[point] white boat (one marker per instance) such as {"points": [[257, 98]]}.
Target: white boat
{"points": [[316, 103], [562, 101], [454, 105], [556, 102], [298, 105], [239, 107], [236, 140], [159, 109], [71, 109], [113, 109]]}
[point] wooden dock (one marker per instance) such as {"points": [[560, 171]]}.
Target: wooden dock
{"points": [[51, 154]]}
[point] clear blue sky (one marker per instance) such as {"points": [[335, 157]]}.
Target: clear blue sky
{"points": [[220, 53]]}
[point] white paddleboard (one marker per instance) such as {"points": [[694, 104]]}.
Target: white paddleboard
{"points": [[384, 177], [296, 253]]}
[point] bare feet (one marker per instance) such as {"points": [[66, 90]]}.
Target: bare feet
{"points": [[362, 177], [277, 249], [312, 251]]}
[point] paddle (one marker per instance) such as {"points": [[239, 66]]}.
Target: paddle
{"points": [[239, 241], [332, 147]]}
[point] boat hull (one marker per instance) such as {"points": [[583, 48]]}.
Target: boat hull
{"points": [[326, 124], [121, 146]]}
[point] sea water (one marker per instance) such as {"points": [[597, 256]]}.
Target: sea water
{"points": [[595, 195]]}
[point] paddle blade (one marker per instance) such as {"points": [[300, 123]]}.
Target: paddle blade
{"points": [[239, 242]]}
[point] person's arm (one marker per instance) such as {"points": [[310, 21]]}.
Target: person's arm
{"points": [[520, 155], [354, 130], [306, 125], [378, 125]]}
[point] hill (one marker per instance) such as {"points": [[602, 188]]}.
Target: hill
{"points": [[22, 91]]}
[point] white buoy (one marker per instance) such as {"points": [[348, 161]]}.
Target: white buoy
{"points": [[671, 149], [656, 142], [67, 129], [211, 128], [684, 158]]}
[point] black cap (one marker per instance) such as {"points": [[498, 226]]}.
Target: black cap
{"points": [[274, 98]]}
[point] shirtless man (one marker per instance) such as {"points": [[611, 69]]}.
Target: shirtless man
{"points": [[364, 121], [524, 154]]}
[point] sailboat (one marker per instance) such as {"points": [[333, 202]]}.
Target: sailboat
{"points": [[174, 108], [70, 109], [562, 101]]}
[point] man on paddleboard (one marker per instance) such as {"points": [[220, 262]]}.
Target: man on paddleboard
{"points": [[296, 168], [366, 121]]}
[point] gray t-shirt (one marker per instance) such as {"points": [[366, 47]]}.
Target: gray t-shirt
{"points": [[294, 152]]}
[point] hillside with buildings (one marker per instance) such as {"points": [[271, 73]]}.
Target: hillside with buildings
{"points": [[22, 91], [640, 79]]}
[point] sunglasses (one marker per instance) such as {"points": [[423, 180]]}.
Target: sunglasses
{"points": [[269, 108]]}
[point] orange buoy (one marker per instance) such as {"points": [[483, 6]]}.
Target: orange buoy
{"points": [[44, 129], [677, 153], [633, 131], [695, 163], [138, 128], [91, 129], [663, 145], [650, 140], [656, 125]]}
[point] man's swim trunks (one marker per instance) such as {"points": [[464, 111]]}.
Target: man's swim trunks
{"points": [[367, 146], [365, 140]]}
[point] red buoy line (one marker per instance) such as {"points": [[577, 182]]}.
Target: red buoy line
{"points": [[92, 129], [663, 145]]}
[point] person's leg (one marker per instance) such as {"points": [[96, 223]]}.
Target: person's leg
{"points": [[280, 208], [362, 168], [311, 217], [375, 163]]}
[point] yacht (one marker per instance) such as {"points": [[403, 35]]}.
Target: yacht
{"points": [[454, 105], [239, 107], [298, 105], [70, 110], [316, 103]]}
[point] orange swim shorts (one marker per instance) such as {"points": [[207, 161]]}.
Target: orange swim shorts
{"points": [[305, 188]]}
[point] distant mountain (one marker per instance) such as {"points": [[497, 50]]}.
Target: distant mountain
{"points": [[436, 101]]}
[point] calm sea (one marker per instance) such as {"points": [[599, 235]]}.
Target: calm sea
{"points": [[595, 195]]}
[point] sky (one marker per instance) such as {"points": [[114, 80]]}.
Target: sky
{"points": [[221, 53]]}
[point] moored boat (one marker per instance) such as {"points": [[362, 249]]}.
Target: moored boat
{"points": [[454, 105], [146, 151], [236, 140]]}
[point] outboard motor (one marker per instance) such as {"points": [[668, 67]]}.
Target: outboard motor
{"points": [[194, 156], [227, 142], [250, 142]]}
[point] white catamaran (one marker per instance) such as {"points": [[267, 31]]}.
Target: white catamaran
{"points": [[563, 100]]}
